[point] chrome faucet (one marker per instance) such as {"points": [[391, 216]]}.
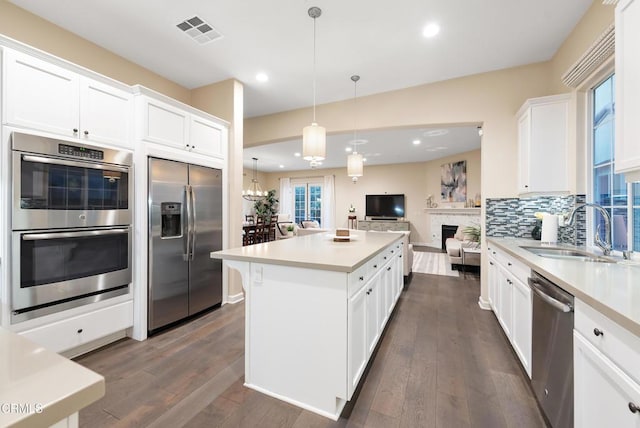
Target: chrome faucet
{"points": [[606, 245]]}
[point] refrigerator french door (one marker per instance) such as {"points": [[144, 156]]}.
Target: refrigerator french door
{"points": [[185, 225]]}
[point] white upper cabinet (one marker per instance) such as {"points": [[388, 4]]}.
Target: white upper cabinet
{"points": [[39, 95], [167, 124], [164, 124], [627, 144], [45, 96], [543, 143], [106, 113]]}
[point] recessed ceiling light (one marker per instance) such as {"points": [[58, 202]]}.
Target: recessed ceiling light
{"points": [[281, 166], [348, 149], [430, 29], [297, 154], [262, 77], [364, 159], [435, 132], [416, 142]]}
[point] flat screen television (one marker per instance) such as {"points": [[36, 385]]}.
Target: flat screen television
{"points": [[385, 206]]}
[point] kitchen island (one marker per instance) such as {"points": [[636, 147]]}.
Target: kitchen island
{"points": [[39, 388], [314, 312]]}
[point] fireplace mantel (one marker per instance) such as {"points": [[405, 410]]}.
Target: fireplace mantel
{"points": [[452, 210], [449, 216]]}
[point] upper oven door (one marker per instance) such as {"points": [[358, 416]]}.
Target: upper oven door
{"points": [[56, 192]]}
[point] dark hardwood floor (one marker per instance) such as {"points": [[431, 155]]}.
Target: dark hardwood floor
{"points": [[443, 362]]}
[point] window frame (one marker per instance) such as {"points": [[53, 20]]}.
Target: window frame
{"points": [[586, 100], [307, 182]]}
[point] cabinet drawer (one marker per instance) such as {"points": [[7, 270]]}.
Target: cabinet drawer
{"points": [[604, 395], [358, 278], [614, 341], [70, 333]]}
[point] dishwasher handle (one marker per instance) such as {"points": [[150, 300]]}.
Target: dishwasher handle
{"points": [[563, 307]]}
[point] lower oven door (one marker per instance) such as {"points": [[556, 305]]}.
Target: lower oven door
{"points": [[57, 269]]}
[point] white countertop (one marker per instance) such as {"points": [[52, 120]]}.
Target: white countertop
{"points": [[317, 251], [37, 379], [612, 289]]}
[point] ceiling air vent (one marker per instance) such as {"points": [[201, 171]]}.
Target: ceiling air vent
{"points": [[199, 30]]}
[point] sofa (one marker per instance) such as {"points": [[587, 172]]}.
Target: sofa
{"points": [[454, 248]]}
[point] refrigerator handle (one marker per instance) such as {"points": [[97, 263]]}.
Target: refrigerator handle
{"points": [[194, 220], [187, 236]]}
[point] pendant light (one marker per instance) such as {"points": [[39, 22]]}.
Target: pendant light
{"points": [[254, 192], [314, 135], [354, 160]]}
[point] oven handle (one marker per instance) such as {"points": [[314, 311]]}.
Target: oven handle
{"points": [[41, 159], [58, 235], [563, 307]]}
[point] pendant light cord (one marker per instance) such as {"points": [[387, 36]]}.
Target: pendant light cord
{"points": [[314, 70]]}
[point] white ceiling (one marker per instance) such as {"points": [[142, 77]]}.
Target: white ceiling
{"points": [[379, 40], [388, 146]]}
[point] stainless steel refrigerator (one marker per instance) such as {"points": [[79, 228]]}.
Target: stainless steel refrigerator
{"points": [[185, 225]]}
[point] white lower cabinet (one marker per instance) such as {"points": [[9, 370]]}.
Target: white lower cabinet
{"points": [[493, 277], [521, 327], [511, 300], [505, 312], [76, 331], [374, 291], [357, 340], [604, 395], [374, 314]]}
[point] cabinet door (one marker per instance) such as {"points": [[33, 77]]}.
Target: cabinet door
{"points": [[357, 338], [505, 312], [627, 148], [603, 394], [524, 133], [522, 315], [40, 95], [543, 139], [385, 297], [164, 124], [493, 277], [106, 113], [373, 313], [205, 137]]}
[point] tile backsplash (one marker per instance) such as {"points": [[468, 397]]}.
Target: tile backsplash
{"points": [[514, 217]]}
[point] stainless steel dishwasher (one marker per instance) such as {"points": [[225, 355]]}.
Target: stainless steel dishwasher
{"points": [[552, 350]]}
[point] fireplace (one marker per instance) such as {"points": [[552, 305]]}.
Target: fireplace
{"points": [[447, 232]]}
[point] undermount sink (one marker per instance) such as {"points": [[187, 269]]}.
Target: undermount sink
{"points": [[567, 254]]}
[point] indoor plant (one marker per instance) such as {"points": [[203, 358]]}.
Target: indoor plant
{"points": [[290, 230], [472, 233], [268, 206]]}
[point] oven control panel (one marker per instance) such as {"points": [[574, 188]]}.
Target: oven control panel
{"points": [[82, 152]]}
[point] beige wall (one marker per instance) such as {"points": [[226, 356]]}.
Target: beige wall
{"points": [[25, 27], [415, 180]]}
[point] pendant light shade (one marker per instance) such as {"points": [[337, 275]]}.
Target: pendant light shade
{"points": [[314, 137], [355, 165], [254, 192]]}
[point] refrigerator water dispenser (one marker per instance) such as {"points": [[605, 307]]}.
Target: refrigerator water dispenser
{"points": [[171, 219]]}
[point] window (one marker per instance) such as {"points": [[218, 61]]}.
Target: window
{"points": [[307, 200], [620, 199]]}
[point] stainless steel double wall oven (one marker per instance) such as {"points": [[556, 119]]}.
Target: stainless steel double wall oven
{"points": [[71, 224]]}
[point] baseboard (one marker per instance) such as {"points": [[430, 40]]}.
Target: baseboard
{"points": [[236, 298], [484, 304]]}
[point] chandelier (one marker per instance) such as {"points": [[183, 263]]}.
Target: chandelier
{"points": [[355, 164], [254, 192], [314, 135]]}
